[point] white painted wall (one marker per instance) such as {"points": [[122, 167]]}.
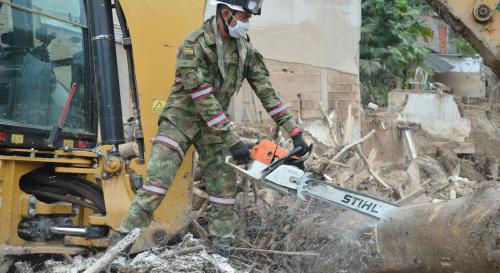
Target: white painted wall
{"points": [[437, 114], [323, 33]]}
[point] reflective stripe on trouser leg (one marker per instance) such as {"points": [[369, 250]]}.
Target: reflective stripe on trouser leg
{"points": [[163, 164], [220, 181]]}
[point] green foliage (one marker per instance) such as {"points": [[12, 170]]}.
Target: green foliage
{"points": [[389, 51], [376, 94], [464, 47]]}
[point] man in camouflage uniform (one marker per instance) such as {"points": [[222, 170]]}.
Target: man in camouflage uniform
{"points": [[211, 65]]}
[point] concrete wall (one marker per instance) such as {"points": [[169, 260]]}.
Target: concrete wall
{"points": [[312, 49], [437, 114], [464, 84]]}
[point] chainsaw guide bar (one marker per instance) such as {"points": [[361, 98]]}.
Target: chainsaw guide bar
{"points": [[282, 175]]}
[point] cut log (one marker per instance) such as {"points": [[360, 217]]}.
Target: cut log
{"points": [[461, 235]]}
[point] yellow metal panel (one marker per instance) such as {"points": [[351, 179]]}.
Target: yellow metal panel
{"points": [[58, 208], [47, 160], [55, 153], [75, 170], [117, 197], [41, 208], [15, 250], [11, 211], [157, 28]]}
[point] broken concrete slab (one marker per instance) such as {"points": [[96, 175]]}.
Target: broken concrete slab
{"points": [[437, 114], [457, 147]]}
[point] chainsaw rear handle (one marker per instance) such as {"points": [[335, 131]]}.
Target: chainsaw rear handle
{"points": [[289, 159]]}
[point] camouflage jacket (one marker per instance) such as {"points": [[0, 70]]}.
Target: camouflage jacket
{"points": [[209, 72]]}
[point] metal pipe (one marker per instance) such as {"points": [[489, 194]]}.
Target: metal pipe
{"points": [[115, 149], [127, 44], [106, 72], [70, 231], [410, 145]]}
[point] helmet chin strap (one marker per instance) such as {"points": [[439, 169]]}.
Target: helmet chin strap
{"points": [[226, 24]]}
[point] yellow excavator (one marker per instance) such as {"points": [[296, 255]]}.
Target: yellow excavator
{"points": [[67, 175], [65, 182]]}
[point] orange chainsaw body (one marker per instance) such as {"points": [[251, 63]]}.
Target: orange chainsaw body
{"points": [[266, 152]]}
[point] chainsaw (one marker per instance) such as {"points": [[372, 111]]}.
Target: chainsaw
{"points": [[283, 171]]}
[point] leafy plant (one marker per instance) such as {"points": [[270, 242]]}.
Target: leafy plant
{"points": [[389, 51], [464, 47]]}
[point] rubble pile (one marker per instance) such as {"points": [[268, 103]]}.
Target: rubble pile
{"points": [[441, 171], [188, 256], [282, 234]]}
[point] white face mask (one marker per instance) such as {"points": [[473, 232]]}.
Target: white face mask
{"points": [[239, 30]]}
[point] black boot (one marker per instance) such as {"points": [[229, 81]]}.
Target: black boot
{"points": [[221, 250]]}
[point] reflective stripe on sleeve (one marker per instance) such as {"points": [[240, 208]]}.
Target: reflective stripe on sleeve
{"points": [[294, 132], [169, 142], [221, 200], [277, 110], [202, 92], [217, 120], [155, 188]]}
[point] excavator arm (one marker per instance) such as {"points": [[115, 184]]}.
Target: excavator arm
{"points": [[478, 22]]}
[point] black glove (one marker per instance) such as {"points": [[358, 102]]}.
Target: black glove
{"points": [[240, 152], [298, 141]]}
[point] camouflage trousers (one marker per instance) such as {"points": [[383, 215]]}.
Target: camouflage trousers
{"points": [[164, 161]]}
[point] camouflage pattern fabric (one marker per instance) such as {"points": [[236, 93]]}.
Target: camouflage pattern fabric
{"points": [[164, 161], [210, 70], [220, 184]]}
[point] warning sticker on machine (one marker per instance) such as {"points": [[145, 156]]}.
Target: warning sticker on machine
{"points": [[17, 139], [68, 143], [158, 105]]}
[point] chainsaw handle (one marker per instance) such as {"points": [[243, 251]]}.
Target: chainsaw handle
{"points": [[285, 159], [254, 171], [237, 167], [228, 162]]}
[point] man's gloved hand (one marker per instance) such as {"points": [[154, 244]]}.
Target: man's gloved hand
{"points": [[298, 141], [240, 152]]}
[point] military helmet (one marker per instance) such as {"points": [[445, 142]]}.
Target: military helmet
{"points": [[252, 6]]}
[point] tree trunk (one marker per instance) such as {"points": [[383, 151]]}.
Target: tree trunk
{"points": [[461, 235]]}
